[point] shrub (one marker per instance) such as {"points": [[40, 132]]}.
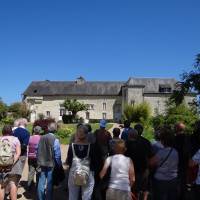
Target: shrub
{"points": [[64, 133], [67, 119], [139, 113], [43, 123], [8, 120]]}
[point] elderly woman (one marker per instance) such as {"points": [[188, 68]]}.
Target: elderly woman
{"points": [[9, 176], [81, 161], [166, 164]]}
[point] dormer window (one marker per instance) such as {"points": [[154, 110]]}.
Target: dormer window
{"points": [[165, 89]]}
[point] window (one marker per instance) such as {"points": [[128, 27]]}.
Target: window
{"points": [[165, 89], [62, 111], [104, 106], [48, 113], [104, 115], [87, 115], [90, 106], [132, 102]]}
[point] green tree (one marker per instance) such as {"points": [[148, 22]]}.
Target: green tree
{"points": [[19, 109], [74, 106], [139, 113], [177, 113], [3, 109], [190, 81]]}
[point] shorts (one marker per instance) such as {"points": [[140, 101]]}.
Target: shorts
{"points": [[8, 179], [115, 194]]}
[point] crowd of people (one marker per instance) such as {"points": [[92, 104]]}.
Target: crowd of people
{"points": [[121, 165]]}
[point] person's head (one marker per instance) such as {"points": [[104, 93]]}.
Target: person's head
{"points": [[179, 128], [166, 136], [127, 124], [119, 147], [52, 127], [102, 123], [82, 133], [23, 122], [116, 132], [37, 130], [7, 130], [79, 124], [132, 134], [139, 128], [89, 128], [157, 134], [16, 123]]}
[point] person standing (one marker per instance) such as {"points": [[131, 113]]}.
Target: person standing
{"points": [[122, 175], [32, 155], [48, 155], [165, 183], [9, 176], [23, 135], [102, 144], [82, 163], [127, 127]]}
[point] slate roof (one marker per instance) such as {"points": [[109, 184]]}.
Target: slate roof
{"points": [[87, 88]]}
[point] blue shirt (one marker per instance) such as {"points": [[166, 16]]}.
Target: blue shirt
{"points": [[57, 151], [124, 135], [23, 135]]}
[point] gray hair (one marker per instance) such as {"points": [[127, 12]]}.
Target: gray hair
{"points": [[132, 134], [23, 122], [52, 127], [16, 123]]}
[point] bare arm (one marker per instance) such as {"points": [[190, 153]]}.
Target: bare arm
{"points": [[17, 153], [104, 170], [131, 174]]}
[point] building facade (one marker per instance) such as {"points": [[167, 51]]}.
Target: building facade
{"points": [[105, 99]]}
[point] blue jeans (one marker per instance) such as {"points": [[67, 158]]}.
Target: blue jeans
{"points": [[45, 176]]}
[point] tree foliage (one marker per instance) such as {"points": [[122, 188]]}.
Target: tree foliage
{"points": [[177, 113], [190, 81], [18, 110], [74, 106], [139, 113], [3, 109]]}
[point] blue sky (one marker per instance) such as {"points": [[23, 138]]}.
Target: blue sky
{"points": [[98, 39]]}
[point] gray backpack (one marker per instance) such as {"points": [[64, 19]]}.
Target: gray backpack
{"points": [[6, 153], [80, 168]]}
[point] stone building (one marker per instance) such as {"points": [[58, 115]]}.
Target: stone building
{"points": [[105, 99]]}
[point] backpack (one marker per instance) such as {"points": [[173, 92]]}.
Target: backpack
{"points": [[32, 146], [80, 168], [6, 153]]}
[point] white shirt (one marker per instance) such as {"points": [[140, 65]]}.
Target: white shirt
{"points": [[120, 166]]}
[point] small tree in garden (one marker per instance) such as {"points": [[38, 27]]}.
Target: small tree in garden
{"points": [[19, 109], [74, 106], [138, 113]]}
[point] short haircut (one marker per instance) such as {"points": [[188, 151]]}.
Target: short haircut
{"points": [[116, 132], [16, 123], [23, 122], [139, 128], [52, 127], [84, 128], [119, 147], [132, 133], [167, 136], [127, 124], [89, 127], [7, 130]]}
